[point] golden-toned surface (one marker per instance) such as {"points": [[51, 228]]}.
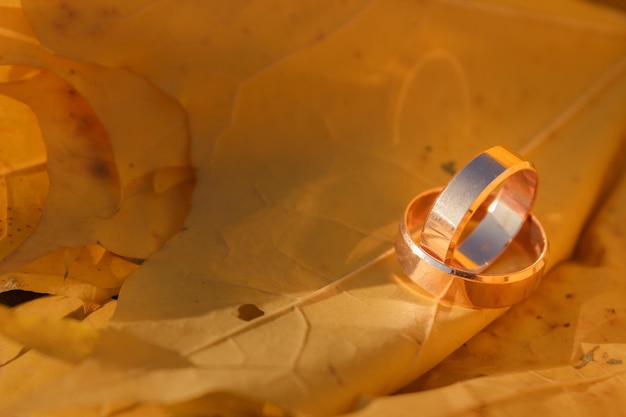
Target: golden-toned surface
{"points": [[302, 129], [447, 234], [499, 286], [563, 350]]}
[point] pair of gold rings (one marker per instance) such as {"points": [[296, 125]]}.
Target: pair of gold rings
{"points": [[475, 242]]}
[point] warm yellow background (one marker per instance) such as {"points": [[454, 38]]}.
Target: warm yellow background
{"points": [[304, 128]]}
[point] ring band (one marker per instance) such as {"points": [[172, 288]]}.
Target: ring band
{"points": [[446, 233], [464, 287]]}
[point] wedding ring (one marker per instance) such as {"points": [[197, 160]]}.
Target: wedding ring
{"points": [[510, 282], [458, 233]]}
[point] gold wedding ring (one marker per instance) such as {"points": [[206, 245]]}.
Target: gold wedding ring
{"points": [[461, 286], [461, 230]]}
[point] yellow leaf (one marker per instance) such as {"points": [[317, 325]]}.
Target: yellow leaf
{"points": [[311, 126], [562, 351], [67, 339], [90, 274], [580, 304], [213, 404], [561, 391], [104, 152], [54, 307], [31, 368], [23, 177]]}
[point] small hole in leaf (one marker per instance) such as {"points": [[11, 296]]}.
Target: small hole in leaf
{"points": [[249, 312]]}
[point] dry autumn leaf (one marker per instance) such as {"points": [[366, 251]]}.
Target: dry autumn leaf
{"points": [[106, 185], [564, 349], [91, 274], [282, 285], [564, 391], [32, 368]]}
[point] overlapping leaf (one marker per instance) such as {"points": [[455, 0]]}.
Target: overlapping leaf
{"points": [[91, 274], [34, 369], [311, 126], [562, 350], [115, 153], [564, 391]]}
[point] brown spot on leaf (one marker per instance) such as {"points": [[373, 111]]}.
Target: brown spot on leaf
{"points": [[109, 12], [68, 11], [614, 362], [86, 124], [449, 167], [249, 312], [100, 169], [586, 358], [335, 374], [320, 37], [66, 14]]}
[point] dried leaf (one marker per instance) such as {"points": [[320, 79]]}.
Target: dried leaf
{"points": [[23, 177], [561, 391], [562, 351], [282, 284], [64, 338], [52, 307], [102, 176], [91, 274], [580, 305], [32, 369]]}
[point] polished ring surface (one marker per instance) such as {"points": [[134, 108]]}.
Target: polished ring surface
{"points": [[445, 232], [462, 287]]}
